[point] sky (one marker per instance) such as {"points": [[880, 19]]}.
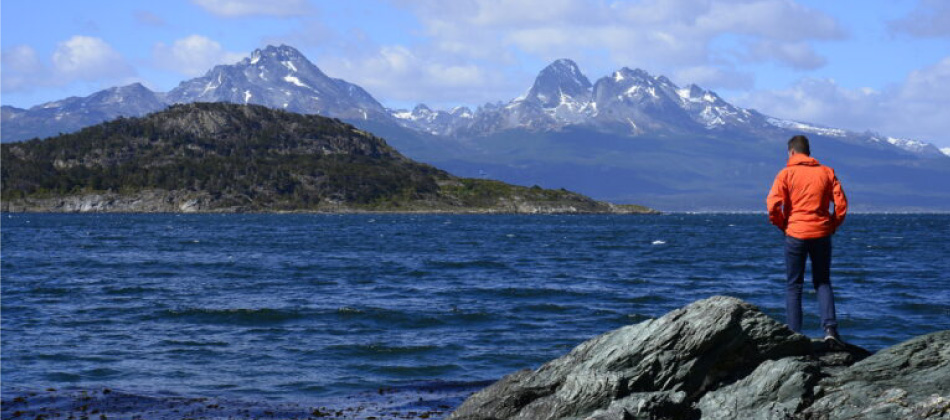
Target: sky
{"points": [[878, 65]]}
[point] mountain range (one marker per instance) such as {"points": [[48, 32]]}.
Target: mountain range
{"points": [[627, 137]]}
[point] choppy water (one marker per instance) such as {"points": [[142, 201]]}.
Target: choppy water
{"points": [[302, 307]]}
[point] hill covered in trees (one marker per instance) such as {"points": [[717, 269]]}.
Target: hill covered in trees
{"points": [[226, 157]]}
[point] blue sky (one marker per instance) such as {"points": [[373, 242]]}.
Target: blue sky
{"points": [[863, 65]]}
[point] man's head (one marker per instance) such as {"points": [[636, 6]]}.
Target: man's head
{"points": [[799, 144]]}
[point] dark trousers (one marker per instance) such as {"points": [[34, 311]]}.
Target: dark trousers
{"points": [[819, 251]]}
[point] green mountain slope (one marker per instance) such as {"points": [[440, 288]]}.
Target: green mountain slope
{"points": [[226, 157]]}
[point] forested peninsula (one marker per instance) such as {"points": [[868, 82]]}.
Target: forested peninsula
{"points": [[220, 157]]}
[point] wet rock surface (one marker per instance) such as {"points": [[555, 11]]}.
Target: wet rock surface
{"points": [[722, 358]]}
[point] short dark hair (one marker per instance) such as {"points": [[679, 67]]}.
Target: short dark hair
{"points": [[799, 144]]}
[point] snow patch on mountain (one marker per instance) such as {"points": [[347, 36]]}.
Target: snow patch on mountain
{"points": [[295, 81], [908, 144], [808, 128]]}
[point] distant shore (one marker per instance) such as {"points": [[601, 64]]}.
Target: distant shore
{"points": [[158, 201]]}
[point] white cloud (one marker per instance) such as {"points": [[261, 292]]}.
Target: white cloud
{"points": [[88, 58], [820, 101], [193, 55], [930, 84], [396, 73], [930, 18], [915, 108], [472, 51], [22, 69], [798, 55], [780, 20], [240, 8], [662, 36], [80, 58]]}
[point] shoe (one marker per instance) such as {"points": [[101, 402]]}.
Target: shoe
{"points": [[833, 339]]}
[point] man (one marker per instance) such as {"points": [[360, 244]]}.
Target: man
{"points": [[798, 205]]}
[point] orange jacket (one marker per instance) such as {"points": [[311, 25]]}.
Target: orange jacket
{"points": [[799, 199]]}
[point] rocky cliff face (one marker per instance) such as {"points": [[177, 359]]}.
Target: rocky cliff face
{"points": [[721, 358]]}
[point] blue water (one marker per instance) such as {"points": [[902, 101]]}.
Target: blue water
{"points": [[302, 307]]}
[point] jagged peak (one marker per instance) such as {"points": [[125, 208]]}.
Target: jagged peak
{"points": [[421, 108], [272, 54], [461, 110], [628, 73], [134, 85], [559, 81], [564, 70], [564, 64], [130, 87], [280, 51]]}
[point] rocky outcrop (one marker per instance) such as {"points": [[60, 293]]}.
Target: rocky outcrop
{"points": [[148, 201], [910, 380], [722, 358], [776, 389]]}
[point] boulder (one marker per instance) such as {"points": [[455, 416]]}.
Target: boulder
{"points": [[722, 358], [777, 389], [657, 368], [908, 381]]}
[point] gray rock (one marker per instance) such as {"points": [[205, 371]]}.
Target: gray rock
{"points": [[909, 380], [145, 201], [646, 405], [721, 358], [777, 389], [837, 360], [656, 368]]}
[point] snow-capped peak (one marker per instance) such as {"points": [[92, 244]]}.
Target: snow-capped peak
{"points": [[627, 73], [568, 69], [287, 56], [945, 150], [279, 77], [558, 83]]}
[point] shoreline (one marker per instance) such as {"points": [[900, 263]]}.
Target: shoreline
{"points": [[345, 212], [155, 201], [651, 212]]}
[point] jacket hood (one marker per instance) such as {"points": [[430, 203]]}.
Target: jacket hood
{"points": [[802, 159]]}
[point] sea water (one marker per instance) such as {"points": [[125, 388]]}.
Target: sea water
{"points": [[304, 307]]}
